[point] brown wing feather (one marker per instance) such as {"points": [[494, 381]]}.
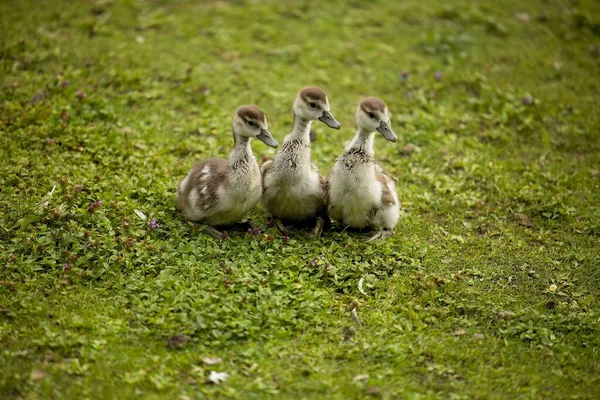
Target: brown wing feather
{"points": [[207, 182], [325, 185], [385, 179], [266, 168]]}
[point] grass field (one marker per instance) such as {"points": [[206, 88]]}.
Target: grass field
{"points": [[490, 287]]}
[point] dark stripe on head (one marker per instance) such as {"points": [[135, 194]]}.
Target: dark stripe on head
{"points": [[372, 104], [251, 112], [313, 93]]}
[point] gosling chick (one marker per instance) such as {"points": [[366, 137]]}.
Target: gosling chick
{"points": [[360, 193], [220, 192], [293, 189]]}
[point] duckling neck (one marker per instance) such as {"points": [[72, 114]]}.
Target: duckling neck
{"points": [[363, 141], [241, 156], [301, 129]]}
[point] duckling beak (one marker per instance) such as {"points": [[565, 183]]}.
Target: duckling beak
{"points": [[266, 137], [327, 119], [386, 130]]}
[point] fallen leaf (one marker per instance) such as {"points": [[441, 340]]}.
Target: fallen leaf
{"points": [[46, 199], [211, 360], [523, 220], [522, 17], [177, 341], [459, 332], [374, 391], [217, 377], [140, 214], [360, 286], [355, 317], [557, 65], [347, 333], [37, 375], [361, 378], [39, 96], [409, 149], [457, 238]]}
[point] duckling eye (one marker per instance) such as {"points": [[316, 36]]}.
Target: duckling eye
{"points": [[371, 115], [312, 105], [251, 123]]}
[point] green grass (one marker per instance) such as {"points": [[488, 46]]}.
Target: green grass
{"points": [[488, 289]]}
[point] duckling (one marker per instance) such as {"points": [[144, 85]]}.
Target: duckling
{"points": [[293, 189], [220, 192], [360, 193]]}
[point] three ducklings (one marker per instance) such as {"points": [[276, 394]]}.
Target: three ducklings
{"points": [[357, 192]]}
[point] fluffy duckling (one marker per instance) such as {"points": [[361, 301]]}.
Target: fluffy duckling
{"points": [[360, 193], [220, 192], [293, 189]]}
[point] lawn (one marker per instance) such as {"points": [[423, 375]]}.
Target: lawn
{"points": [[489, 287]]}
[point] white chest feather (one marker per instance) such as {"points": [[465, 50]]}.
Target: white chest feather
{"points": [[293, 188], [353, 194]]}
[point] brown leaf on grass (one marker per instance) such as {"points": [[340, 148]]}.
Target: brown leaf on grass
{"points": [[177, 341], [506, 314], [37, 375], [524, 220], [39, 96], [459, 332], [374, 391], [409, 149], [347, 333]]}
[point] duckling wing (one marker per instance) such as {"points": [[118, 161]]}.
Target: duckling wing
{"points": [[322, 181], [204, 180], [388, 212], [265, 170], [325, 185], [387, 186]]}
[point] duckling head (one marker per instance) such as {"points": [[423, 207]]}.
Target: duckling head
{"points": [[312, 104], [251, 122], [372, 115]]}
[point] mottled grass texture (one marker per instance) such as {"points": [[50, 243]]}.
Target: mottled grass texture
{"points": [[488, 289]]}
